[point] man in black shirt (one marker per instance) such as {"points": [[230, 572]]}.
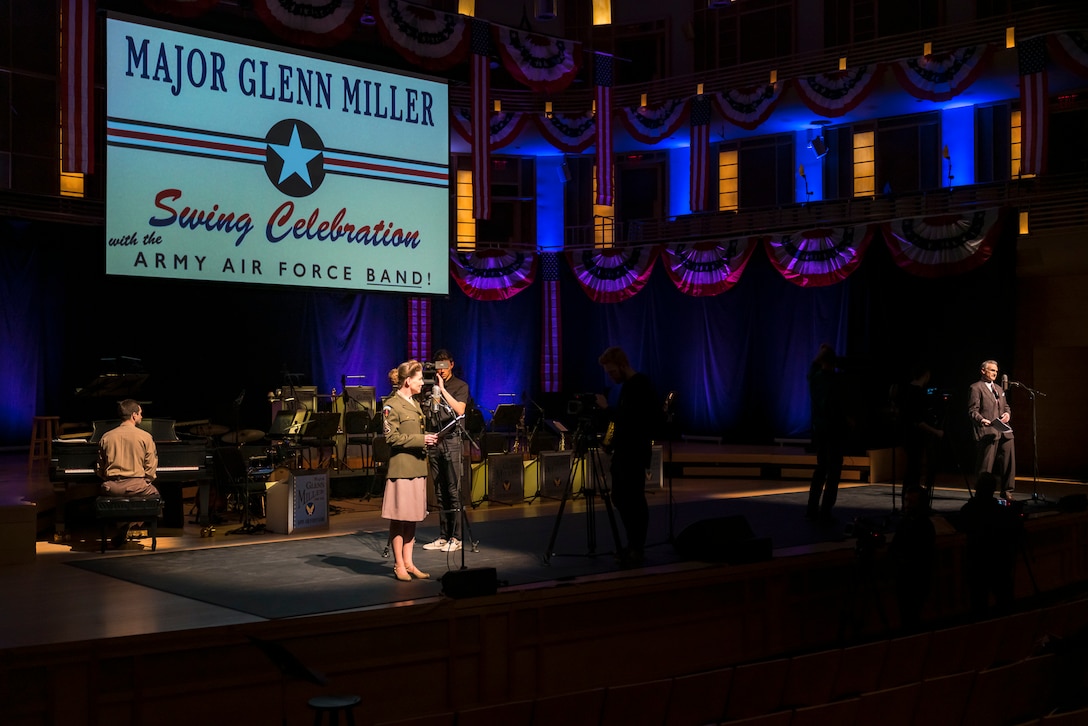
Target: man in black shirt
{"points": [[450, 398], [635, 421]]}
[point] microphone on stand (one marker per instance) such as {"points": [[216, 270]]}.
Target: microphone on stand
{"points": [[435, 395], [1004, 382]]}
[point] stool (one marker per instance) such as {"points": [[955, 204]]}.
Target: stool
{"points": [[129, 509], [45, 429], [334, 705]]}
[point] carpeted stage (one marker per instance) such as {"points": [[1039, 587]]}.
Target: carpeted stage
{"points": [[326, 574]]}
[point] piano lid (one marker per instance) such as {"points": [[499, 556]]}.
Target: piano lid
{"points": [[161, 429]]}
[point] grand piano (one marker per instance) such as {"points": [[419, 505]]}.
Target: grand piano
{"points": [[181, 462]]}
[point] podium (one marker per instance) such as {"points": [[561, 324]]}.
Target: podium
{"points": [[297, 499]]}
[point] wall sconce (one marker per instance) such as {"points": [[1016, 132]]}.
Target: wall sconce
{"points": [[818, 146], [642, 101], [774, 77], [927, 49], [547, 109], [842, 63], [466, 7], [699, 89], [1024, 222], [801, 173], [1010, 37], [497, 106]]}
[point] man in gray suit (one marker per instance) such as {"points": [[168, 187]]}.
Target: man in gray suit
{"points": [[989, 410]]}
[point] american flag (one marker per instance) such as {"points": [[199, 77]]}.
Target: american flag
{"points": [[552, 330], [603, 78], [700, 153], [77, 100], [481, 120], [1034, 113]]}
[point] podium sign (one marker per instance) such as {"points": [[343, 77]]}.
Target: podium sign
{"points": [[297, 499]]}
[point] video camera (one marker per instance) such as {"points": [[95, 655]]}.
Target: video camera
{"points": [[430, 369], [582, 404]]}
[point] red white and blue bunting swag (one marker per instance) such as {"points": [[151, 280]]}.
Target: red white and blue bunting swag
{"points": [[493, 274], [819, 257], [504, 126], [708, 268], [945, 245], [428, 38], [651, 124], [319, 23], [542, 63], [608, 276], [749, 107], [939, 77], [838, 93], [569, 134]]}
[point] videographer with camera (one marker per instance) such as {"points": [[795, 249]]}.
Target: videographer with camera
{"points": [[633, 424], [449, 399]]}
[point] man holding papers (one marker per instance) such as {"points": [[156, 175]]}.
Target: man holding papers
{"points": [[989, 410]]}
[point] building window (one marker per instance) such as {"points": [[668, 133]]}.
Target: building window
{"points": [[864, 164], [727, 181], [743, 32], [1015, 146], [604, 218], [466, 224]]}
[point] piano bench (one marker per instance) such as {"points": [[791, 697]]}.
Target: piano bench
{"points": [[111, 510]]}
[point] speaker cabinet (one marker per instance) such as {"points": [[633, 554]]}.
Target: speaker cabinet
{"points": [[506, 478], [723, 539], [554, 471]]}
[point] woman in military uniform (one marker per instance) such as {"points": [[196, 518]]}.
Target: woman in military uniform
{"points": [[405, 500]]}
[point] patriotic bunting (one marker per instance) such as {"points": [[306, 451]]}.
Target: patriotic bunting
{"points": [[708, 268], [651, 124], [819, 257], [1034, 100], [481, 132], [700, 154], [945, 245], [430, 39], [493, 274], [942, 76], [317, 23], [544, 64], [1071, 50], [503, 127], [838, 93], [569, 134], [613, 275], [603, 78], [749, 107], [77, 99]]}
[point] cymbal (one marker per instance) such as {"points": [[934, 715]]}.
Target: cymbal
{"points": [[244, 436], [208, 430]]}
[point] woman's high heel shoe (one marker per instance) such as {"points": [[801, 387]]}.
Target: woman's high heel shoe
{"points": [[418, 573], [401, 574]]}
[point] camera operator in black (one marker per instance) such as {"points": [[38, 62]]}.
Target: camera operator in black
{"points": [[634, 423], [451, 400]]}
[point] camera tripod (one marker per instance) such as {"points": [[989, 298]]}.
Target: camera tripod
{"points": [[589, 459]]}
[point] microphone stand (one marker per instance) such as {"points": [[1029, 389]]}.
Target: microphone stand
{"points": [[1032, 394]]}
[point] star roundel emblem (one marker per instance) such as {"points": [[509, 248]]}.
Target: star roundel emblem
{"points": [[295, 160]]}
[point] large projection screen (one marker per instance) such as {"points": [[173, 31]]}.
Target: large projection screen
{"points": [[234, 162]]}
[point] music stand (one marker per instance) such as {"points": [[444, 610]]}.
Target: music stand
{"points": [[507, 417], [319, 431]]}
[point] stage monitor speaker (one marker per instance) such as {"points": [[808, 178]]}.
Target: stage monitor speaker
{"points": [[554, 472], [506, 478], [723, 539], [475, 582]]}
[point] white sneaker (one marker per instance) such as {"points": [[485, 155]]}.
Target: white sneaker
{"points": [[438, 544], [452, 546]]}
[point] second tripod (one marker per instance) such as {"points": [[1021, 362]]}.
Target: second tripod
{"points": [[587, 459]]}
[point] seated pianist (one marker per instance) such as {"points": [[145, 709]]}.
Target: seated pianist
{"points": [[127, 461]]}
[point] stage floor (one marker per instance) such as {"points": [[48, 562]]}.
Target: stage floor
{"points": [[49, 601]]}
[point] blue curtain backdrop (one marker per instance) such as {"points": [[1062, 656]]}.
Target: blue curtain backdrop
{"points": [[737, 360]]}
